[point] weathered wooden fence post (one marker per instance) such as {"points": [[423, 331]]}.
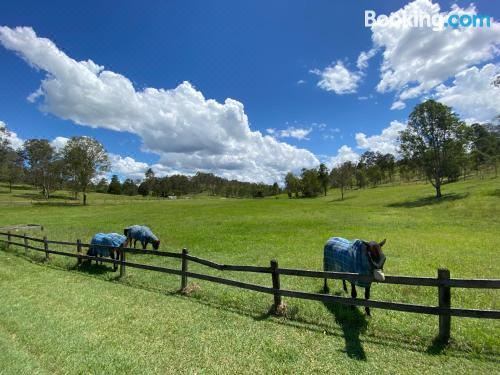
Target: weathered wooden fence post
{"points": [[25, 244], [184, 268], [444, 302], [123, 259], [9, 238], [276, 286], [46, 247], [79, 250]]}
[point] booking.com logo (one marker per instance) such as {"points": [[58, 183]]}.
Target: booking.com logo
{"points": [[436, 21]]}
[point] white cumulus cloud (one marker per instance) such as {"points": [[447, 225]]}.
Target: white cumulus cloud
{"points": [[418, 59], [297, 133], [386, 143], [15, 142], [473, 94], [344, 154], [362, 62], [338, 78], [186, 130], [59, 142]]}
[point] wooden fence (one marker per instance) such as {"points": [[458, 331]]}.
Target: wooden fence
{"points": [[443, 282]]}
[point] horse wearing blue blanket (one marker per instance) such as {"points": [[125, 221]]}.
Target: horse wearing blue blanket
{"points": [[357, 256], [142, 234], [107, 245]]}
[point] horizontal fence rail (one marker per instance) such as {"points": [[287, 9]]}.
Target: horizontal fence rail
{"points": [[442, 282]]}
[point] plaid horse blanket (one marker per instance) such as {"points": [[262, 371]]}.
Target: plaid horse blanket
{"points": [[141, 233], [99, 243], [342, 255]]}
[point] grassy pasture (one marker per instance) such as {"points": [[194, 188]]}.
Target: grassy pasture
{"points": [[57, 318]]}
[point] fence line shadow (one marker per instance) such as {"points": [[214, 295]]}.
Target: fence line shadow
{"points": [[350, 324], [427, 201]]}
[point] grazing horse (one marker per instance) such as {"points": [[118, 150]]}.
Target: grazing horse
{"points": [[357, 256], [142, 234], [107, 245]]}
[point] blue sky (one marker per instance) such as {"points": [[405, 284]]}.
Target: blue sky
{"points": [[270, 57]]}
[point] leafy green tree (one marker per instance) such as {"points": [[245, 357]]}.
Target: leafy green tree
{"points": [[129, 187], [342, 176], [485, 146], [115, 187], [275, 190], [292, 184], [149, 174], [40, 156], [85, 158], [102, 186], [324, 177], [12, 167], [309, 183], [144, 189], [431, 140]]}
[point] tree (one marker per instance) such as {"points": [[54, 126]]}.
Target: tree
{"points": [[129, 187], [40, 156], [85, 158], [291, 184], [102, 186], [14, 168], [309, 183], [115, 187], [144, 189], [485, 146], [149, 174], [11, 161], [275, 190], [342, 175], [431, 140], [324, 177]]}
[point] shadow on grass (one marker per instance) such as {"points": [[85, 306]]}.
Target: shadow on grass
{"points": [[349, 324], [427, 201], [437, 347], [494, 193], [353, 323], [339, 199], [17, 187], [57, 204], [93, 269]]}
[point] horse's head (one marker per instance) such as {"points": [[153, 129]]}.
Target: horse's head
{"points": [[156, 244], [376, 257]]}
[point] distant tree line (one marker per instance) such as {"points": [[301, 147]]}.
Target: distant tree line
{"points": [[77, 165], [178, 185], [436, 146], [39, 164]]}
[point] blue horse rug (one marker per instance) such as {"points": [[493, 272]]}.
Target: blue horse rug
{"points": [[341, 255], [141, 233], [99, 243]]}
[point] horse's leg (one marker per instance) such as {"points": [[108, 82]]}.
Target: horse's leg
{"points": [[345, 285], [325, 287], [367, 296], [144, 245], [354, 294], [135, 242]]}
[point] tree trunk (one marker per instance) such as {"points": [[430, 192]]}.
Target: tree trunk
{"points": [[84, 199], [438, 191], [10, 186]]}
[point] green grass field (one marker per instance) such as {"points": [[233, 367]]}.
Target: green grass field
{"points": [[56, 318]]}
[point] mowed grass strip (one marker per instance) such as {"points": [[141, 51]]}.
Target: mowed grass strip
{"points": [[459, 232]]}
